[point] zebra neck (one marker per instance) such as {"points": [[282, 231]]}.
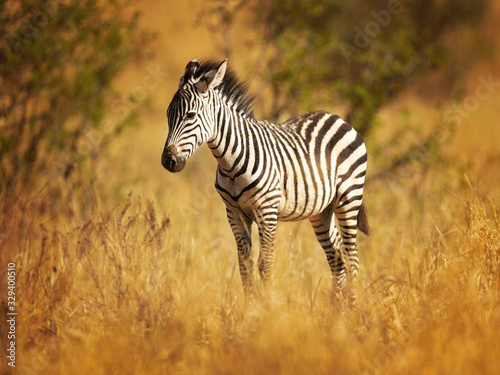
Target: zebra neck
{"points": [[230, 144]]}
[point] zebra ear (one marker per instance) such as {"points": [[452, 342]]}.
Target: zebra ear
{"points": [[212, 79], [191, 68]]}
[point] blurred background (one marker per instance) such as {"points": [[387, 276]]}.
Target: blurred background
{"points": [[114, 252]]}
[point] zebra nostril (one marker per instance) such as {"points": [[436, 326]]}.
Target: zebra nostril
{"points": [[171, 164], [167, 160]]}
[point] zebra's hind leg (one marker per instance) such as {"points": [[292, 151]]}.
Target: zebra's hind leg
{"points": [[330, 240], [351, 214], [347, 212], [242, 231]]}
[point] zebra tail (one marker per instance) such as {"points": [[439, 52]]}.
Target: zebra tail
{"points": [[363, 220]]}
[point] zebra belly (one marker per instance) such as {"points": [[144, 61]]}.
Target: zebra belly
{"points": [[291, 210], [305, 198]]}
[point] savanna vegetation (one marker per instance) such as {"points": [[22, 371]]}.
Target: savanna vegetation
{"points": [[124, 268]]}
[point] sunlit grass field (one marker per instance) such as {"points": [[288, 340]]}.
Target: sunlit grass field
{"points": [[142, 289], [146, 281]]}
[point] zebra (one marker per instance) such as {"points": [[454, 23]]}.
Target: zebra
{"points": [[312, 166]]}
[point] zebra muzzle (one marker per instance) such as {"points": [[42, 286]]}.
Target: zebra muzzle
{"points": [[171, 160]]}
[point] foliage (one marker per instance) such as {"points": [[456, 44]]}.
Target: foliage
{"points": [[58, 61], [359, 53]]}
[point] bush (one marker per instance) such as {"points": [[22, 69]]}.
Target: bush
{"points": [[58, 61]]}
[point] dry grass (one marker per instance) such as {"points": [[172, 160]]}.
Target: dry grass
{"points": [[131, 291]]}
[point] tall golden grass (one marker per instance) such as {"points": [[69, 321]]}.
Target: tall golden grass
{"points": [[129, 291]]}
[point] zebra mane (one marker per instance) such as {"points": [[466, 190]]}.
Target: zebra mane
{"points": [[234, 91]]}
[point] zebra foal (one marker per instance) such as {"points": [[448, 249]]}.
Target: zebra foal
{"points": [[311, 166]]}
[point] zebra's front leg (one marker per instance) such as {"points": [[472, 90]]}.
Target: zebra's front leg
{"points": [[242, 231], [267, 223]]}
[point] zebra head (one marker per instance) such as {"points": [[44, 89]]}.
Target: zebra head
{"points": [[190, 114]]}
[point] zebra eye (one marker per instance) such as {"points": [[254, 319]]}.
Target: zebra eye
{"points": [[191, 115]]}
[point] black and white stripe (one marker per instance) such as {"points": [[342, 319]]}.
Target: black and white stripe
{"points": [[312, 167]]}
